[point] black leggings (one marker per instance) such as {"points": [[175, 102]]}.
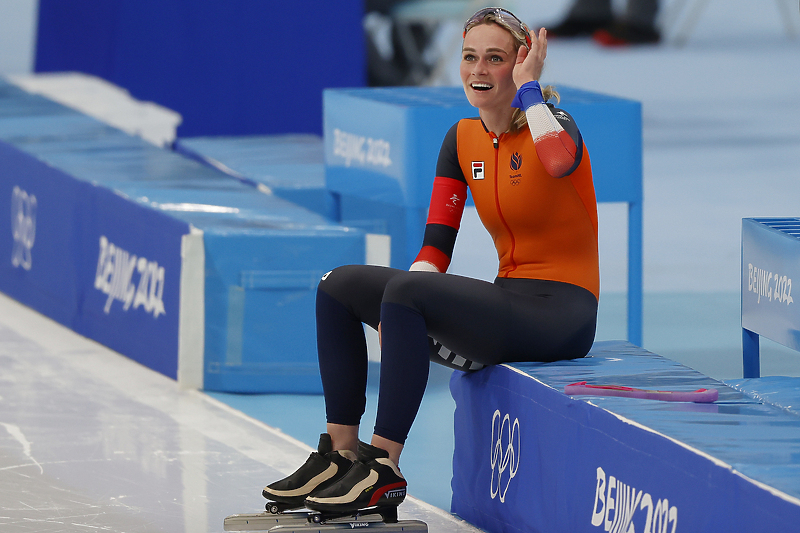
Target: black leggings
{"points": [[483, 323]]}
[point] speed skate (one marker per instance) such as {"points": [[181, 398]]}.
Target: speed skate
{"points": [[305, 521], [326, 494]]}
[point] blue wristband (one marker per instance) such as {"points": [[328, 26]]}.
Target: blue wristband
{"points": [[528, 95]]}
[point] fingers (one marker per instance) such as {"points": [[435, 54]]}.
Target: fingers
{"points": [[529, 63], [539, 42], [543, 39], [521, 55], [538, 52]]}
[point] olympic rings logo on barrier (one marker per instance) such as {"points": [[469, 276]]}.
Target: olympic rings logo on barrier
{"points": [[504, 454], [23, 227]]}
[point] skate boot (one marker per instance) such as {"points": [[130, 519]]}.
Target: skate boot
{"points": [[321, 469], [373, 482]]}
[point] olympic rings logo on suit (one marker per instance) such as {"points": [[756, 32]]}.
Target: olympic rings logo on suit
{"points": [[505, 453]]}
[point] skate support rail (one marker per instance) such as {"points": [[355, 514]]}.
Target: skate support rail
{"points": [[530, 458]]}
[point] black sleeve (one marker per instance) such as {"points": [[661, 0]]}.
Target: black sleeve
{"points": [[447, 166], [441, 237]]}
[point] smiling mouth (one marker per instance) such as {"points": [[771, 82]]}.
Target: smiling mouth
{"points": [[481, 86]]}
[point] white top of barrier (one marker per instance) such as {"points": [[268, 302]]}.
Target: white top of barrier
{"points": [[106, 102]]}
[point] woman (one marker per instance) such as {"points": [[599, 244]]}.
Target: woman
{"points": [[531, 181]]}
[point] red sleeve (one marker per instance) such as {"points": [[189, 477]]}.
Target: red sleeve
{"points": [[556, 137], [447, 202], [444, 218], [557, 151]]}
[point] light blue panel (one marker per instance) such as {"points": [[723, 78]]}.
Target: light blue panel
{"points": [[263, 259], [15, 102], [365, 146], [770, 263], [612, 130], [780, 391], [383, 143], [280, 161], [374, 216], [291, 166], [51, 126], [260, 303]]}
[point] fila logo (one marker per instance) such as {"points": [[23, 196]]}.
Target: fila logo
{"points": [[477, 170], [516, 161]]}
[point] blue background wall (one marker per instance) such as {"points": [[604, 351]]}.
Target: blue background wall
{"points": [[233, 67]]}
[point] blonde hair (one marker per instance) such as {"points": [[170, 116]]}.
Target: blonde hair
{"points": [[518, 118]]}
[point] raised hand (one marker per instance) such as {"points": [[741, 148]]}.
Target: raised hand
{"points": [[529, 63]]}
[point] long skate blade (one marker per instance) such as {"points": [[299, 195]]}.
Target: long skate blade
{"points": [[407, 526], [263, 521]]}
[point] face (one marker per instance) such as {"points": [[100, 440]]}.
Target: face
{"points": [[487, 62]]}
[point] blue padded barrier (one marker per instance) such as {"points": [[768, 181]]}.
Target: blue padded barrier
{"points": [[78, 252], [770, 261], [381, 146], [780, 391], [90, 259], [260, 299], [94, 240], [291, 166], [529, 458]]}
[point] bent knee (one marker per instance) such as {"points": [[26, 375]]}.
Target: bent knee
{"points": [[409, 288], [338, 279], [359, 285]]}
